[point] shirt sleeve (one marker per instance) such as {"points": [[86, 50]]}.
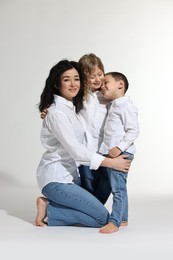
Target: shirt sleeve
{"points": [[61, 127], [131, 127]]}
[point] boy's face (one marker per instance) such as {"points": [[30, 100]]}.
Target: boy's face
{"points": [[110, 88], [95, 79]]}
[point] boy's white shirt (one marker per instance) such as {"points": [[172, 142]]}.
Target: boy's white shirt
{"points": [[121, 127]]}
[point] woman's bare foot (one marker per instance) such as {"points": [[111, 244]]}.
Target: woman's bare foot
{"points": [[124, 223], [109, 228], [41, 211]]}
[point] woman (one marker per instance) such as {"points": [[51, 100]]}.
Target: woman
{"points": [[63, 137], [94, 113]]}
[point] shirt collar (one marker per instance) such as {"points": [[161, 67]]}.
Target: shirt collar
{"points": [[62, 100], [120, 100]]}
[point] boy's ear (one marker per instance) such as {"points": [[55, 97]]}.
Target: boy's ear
{"points": [[121, 84]]}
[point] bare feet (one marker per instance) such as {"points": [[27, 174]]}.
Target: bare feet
{"points": [[124, 223], [41, 212], [109, 228]]}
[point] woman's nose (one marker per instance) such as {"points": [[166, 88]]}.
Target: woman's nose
{"points": [[72, 83]]}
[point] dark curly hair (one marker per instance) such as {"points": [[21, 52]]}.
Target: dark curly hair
{"points": [[53, 82]]}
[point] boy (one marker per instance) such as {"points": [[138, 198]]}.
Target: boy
{"points": [[120, 131]]}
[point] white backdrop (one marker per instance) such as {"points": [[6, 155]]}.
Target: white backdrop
{"points": [[131, 36]]}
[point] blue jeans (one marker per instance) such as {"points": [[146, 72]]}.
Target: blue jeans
{"points": [[118, 182], [96, 182], [71, 205]]}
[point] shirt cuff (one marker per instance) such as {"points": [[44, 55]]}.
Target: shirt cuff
{"points": [[96, 161]]}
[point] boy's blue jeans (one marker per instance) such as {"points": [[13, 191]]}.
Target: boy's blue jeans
{"points": [[118, 182]]}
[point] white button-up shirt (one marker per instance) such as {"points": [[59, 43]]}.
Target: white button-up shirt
{"points": [[62, 135], [94, 114], [121, 127]]}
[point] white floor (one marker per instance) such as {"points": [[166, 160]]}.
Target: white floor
{"points": [[148, 236]]}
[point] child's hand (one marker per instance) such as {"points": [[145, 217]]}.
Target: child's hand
{"points": [[114, 152], [43, 113]]}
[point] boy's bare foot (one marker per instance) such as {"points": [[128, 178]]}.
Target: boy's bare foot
{"points": [[41, 212], [109, 228], [124, 223]]}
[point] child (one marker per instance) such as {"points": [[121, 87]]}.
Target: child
{"points": [[120, 131], [94, 114]]}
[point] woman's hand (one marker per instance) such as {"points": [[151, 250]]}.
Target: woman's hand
{"points": [[120, 163]]}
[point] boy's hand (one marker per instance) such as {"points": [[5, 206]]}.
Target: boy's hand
{"points": [[114, 152]]}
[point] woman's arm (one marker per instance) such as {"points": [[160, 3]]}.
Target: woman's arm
{"points": [[119, 163], [61, 127]]}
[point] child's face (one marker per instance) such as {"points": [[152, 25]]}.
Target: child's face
{"points": [[110, 88], [95, 79]]}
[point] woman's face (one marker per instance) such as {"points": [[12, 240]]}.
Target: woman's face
{"points": [[70, 84], [95, 79]]}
